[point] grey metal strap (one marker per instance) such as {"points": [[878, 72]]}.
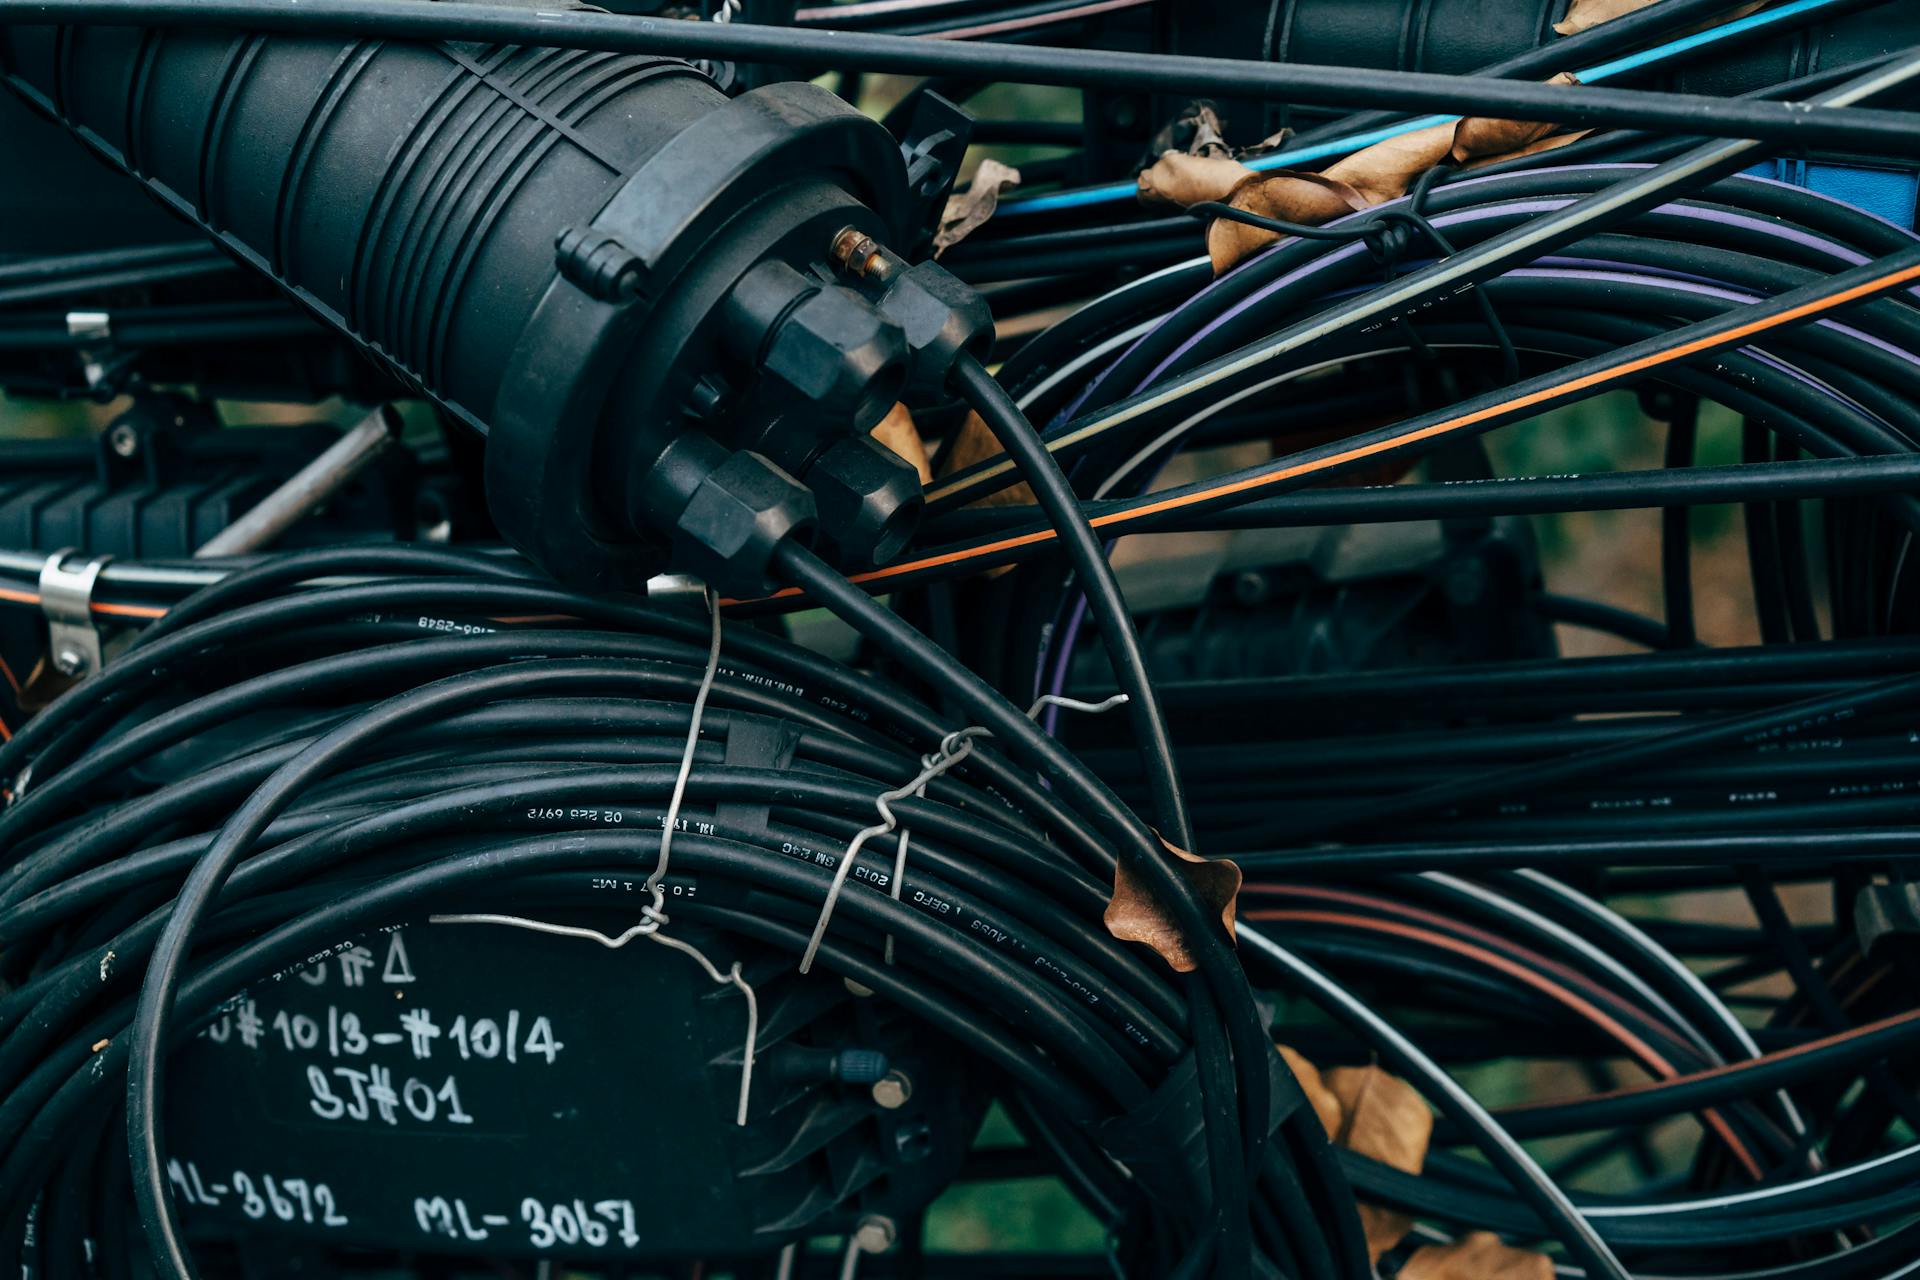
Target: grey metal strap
{"points": [[66, 597]]}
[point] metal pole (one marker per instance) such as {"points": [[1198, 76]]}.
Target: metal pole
{"points": [[309, 489]]}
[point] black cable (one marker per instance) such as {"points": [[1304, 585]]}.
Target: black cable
{"points": [[1138, 851], [1109, 605], [1081, 68]]}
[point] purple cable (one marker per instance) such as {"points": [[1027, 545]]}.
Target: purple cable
{"points": [[1057, 649], [1467, 216]]}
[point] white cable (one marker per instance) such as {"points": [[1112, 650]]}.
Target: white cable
{"points": [[1337, 1000], [1331, 996], [1594, 955], [1091, 355], [1046, 700], [1755, 1195], [613, 942], [899, 876]]}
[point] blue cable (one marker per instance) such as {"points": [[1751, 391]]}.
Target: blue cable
{"points": [[1118, 191]]}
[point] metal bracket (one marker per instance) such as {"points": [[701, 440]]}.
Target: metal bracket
{"points": [[94, 331], [66, 597]]}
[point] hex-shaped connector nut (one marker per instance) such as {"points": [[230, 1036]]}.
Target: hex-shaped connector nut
{"points": [[737, 516], [869, 500], [942, 317], [836, 351]]}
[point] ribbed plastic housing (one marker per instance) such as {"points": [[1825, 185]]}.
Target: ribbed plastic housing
{"points": [[410, 193], [1456, 37]]}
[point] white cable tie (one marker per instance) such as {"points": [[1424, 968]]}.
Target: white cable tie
{"points": [[672, 818], [613, 942], [1046, 700], [732, 977], [899, 878], [648, 928], [932, 766], [954, 748]]}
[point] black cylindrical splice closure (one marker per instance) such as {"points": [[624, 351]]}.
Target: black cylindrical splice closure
{"points": [[543, 241]]}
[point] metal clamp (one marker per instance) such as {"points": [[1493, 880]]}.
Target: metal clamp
{"points": [[66, 597], [93, 330]]}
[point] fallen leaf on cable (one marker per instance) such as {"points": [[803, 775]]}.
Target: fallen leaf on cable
{"points": [[1135, 914], [1321, 1098], [1196, 131], [1552, 143], [1479, 1256], [1374, 175], [1384, 1117], [976, 443], [967, 211], [1386, 169], [1583, 14], [1312, 198], [1209, 134], [1375, 1114], [898, 433], [1478, 137], [1268, 145], [1177, 178]]}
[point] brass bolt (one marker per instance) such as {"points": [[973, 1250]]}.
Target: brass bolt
{"points": [[858, 254], [875, 1233], [892, 1090]]}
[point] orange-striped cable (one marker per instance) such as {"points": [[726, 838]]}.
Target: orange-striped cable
{"points": [[1311, 466], [1648, 1056]]}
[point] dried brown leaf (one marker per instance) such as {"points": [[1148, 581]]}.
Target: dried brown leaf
{"points": [[1479, 1256], [1209, 133], [1384, 1117], [1374, 175], [1552, 143], [1312, 198], [967, 211], [1386, 169], [1591, 13], [1197, 131], [898, 433], [1582, 14], [1480, 136], [1273, 142], [1180, 179], [1135, 914], [1319, 1097], [976, 443]]}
